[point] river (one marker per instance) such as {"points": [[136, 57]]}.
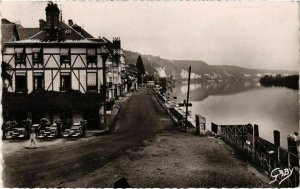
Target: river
{"points": [[243, 102]]}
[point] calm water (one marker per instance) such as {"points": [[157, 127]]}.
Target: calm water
{"points": [[243, 103]]}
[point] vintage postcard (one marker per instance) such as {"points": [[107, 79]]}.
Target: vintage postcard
{"points": [[120, 94]]}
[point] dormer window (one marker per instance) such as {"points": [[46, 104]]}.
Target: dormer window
{"points": [[20, 57], [68, 31], [37, 56], [91, 56], [65, 56]]}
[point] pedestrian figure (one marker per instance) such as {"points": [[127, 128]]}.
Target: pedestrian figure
{"points": [[32, 139]]}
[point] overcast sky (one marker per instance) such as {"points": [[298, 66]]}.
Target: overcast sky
{"points": [[253, 35]]}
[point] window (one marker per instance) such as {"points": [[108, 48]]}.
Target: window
{"points": [[21, 82], [37, 56], [20, 57], [91, 56], [92, 82], [65, 81], [110, 83], [38, 81], [65, 56]]}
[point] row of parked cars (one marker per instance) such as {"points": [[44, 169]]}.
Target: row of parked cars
{"points": [[43, 129]]}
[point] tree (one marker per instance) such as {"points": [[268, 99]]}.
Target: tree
{"points": [[5, 75], [141, 69], [140, 65]]}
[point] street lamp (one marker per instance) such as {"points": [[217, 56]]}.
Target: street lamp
{"points": [[104, 55]]}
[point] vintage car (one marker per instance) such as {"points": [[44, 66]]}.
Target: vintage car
{"points": [[12, 130], [76, 130]]}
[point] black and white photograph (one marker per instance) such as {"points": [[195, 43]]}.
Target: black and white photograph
{"points": [[150, 94]]}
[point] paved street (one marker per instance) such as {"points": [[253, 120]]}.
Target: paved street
{"points": [[145, 148]]}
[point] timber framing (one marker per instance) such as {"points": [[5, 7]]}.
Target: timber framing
{"points": [[51, 66]]}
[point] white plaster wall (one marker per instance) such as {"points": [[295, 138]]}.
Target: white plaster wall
{"points": [[48, 79], [28, 50], [13, 88], [99, 61], [6, 58], [9, 50], [51, 63], [83, 80], [100, 78], [29, 81], [29, 63], [51, 50], [78, 50], [56, 81], [75, 83], [79, 62]]}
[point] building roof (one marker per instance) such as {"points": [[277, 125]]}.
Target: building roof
{"points": [[25, 33], [9, 31], [66, 33]]}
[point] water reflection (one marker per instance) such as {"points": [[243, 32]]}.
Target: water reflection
{"points": [[200, 91], [273, 108]]}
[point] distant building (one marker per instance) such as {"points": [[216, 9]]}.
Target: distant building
{"points": [[115, 69]]}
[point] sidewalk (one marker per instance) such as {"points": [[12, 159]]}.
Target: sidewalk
{"points": [[16, 145]]}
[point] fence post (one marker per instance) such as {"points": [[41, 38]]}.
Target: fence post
{"points": [[293, 158], [255, 131], [197, 124], [276, 135], [214, 127]]}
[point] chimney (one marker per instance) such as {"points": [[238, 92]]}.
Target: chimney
{"points": [[52, 21], [42, 24], [70, 22], [116, 43]]}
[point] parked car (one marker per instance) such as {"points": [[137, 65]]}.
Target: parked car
{"points": [[13, 130], [75, 130]]}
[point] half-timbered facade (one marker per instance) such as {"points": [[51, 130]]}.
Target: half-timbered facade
{"points": [[115, 67], [59, 57], [37, 65]]}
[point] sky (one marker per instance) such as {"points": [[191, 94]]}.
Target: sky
{"points": [[263, 35]]}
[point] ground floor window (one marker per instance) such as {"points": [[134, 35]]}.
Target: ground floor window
{"points": [[65, 81], [38, 81], [92, 82], [21, 82]]}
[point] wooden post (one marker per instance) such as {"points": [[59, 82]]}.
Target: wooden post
{"points": [[255, 131], [276, 135], [187, 98], [293, 159], [214, 127], [276, 138], [197, 124]]}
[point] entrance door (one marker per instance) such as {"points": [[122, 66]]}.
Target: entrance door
{"points": [[65, 82], [21, 83]]}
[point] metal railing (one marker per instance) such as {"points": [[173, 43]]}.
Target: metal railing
{"points": [[279, 164]]}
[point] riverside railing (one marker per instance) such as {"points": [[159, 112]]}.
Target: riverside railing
{"points": [[281, 165]]}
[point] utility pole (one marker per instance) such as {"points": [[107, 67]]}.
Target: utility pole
{"points": [[187, 99]]}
